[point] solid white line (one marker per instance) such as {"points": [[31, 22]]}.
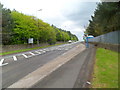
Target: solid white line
{"points": [[15, 58], [1, 62], [31, 53], [25, 55]]}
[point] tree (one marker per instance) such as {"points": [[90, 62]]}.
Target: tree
{"points": [[18, 28], [105, 19], [7, 25], [24, 27]]}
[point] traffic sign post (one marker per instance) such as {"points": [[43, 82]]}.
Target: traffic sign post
{"points": [[87, 40], [87, 44], [30, 41]]}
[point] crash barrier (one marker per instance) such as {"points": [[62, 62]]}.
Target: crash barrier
{"points": [[109, 41]]}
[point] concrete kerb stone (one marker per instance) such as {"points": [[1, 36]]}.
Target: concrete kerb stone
{"points": [[37, 75]]}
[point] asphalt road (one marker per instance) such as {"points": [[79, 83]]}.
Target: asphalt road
{"points": [[17, 69], [73, 74]]}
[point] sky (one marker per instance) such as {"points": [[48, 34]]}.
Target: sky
{"points": [[70, 15]]}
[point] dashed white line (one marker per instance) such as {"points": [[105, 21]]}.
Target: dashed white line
{"points": [[15, 58], [38, 52], [44, 51], [47, 50], [31, 53], [25, 55], [63, 47]]}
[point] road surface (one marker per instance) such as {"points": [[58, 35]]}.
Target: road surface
{"points": [[73, 74], [19, 65]]}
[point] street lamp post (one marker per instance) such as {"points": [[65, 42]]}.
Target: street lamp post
{"points": [[38, 26]]}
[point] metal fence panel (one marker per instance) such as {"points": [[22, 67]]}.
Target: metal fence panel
{"points": [[109, 38]]}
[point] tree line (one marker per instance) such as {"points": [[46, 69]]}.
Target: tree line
{"points": [[106, 19], [17, 28]]}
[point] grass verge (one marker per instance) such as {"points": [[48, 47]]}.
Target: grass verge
{"points": [[23, 50], [106, 69]]}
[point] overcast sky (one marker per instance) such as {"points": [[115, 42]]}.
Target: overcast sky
{"points": [[71, 15]]}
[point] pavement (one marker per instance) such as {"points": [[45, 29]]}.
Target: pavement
{"points": [[63, 66]]}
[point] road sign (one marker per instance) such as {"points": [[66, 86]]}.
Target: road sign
{"points": [[30, 40]]}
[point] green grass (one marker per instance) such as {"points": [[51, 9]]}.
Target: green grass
{"points": [[106, 69], [23, 50]]}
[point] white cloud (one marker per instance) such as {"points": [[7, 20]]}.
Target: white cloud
{"points": [[79, 29], [71, 15]]}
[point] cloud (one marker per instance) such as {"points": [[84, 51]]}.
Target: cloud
{"points": [[71, 15], [81, 12]]}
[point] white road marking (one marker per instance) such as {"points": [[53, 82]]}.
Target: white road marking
{"points": [[44, 51], [88, 82], [25, 55], [38, 52], [63, 47], [1, 62], [59, 49], [15, 58], [31, 53], [66, 49], [47, 50]]}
